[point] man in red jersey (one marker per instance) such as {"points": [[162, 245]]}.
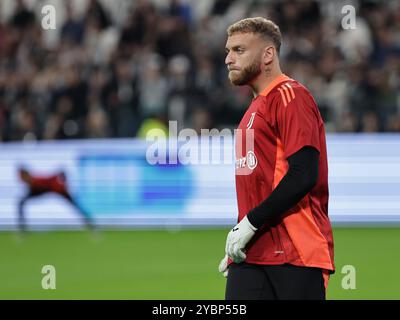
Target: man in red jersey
{"points": [[38, 185], [282, 246]]}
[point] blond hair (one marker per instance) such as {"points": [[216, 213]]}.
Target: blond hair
{"points": [[264, 27]]}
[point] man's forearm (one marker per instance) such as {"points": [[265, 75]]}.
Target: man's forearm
{"points": [[298, 181]]}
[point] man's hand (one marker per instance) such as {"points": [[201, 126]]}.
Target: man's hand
{"points": [[237, 239], [223, 266]]}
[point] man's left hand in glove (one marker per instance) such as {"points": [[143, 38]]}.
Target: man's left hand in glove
{"points": [[237, 240]]}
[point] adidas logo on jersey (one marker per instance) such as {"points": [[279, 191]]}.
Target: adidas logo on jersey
{"points": [[287, 93]]}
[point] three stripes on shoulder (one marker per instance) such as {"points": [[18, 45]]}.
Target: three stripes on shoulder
{"points": [[287, 93]]}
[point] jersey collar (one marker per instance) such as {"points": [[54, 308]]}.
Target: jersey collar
{"points": [[281, 78]]}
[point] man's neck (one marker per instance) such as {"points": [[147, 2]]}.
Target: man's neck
{"points": [[264, 80]]}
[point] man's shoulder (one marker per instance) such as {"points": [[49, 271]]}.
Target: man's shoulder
{"points": [[289, 91], [284, 93], [289, 86]]}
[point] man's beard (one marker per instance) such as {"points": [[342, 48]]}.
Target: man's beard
{"points": [[244, 76]]}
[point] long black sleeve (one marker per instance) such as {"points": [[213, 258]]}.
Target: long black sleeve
{"points": [[298, 181]]}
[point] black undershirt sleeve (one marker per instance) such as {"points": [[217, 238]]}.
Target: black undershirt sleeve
{"points": [[299, 180]]}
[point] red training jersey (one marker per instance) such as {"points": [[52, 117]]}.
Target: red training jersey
{"points": [[283, 119], [54, 183]]}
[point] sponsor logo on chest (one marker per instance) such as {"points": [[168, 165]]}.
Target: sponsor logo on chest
{"points": [[249, 161]]}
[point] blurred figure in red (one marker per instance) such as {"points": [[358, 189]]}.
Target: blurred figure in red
{"points": [[39, 185]]}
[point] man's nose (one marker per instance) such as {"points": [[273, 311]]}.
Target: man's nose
{"points": [[228, 59]]}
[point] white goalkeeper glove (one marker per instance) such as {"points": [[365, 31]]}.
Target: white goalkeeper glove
{"points": [[223, 266], [237, 239]]}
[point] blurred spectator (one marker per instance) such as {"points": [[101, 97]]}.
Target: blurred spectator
{"points": [[180, 10], [139, 28], [23, 18], [348, 123], [153, 88], [370, 122], [122, 99], [394, 124], [73, 29], [201, 119], [24, 123], [96, 14], [179, 89], [97, 123]]}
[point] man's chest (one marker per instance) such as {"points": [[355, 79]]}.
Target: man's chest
{"points": [[257, 127], [255, 141]]}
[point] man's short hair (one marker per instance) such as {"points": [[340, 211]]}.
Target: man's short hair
{"points": [[258, 25]]}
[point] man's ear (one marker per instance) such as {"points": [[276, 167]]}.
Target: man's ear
{"points": [[269, 55]]}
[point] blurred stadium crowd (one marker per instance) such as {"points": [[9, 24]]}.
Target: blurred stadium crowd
{"points": [[115, 68]]}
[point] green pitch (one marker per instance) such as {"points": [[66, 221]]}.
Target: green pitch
{"points": [[172, 265]]}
